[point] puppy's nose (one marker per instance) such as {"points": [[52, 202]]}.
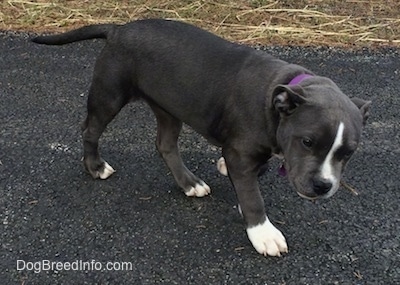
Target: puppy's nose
{"points": [[321, 186]]}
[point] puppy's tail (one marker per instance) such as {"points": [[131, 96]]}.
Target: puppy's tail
{"points": [[85, 33]]}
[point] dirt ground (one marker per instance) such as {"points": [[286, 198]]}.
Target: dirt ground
{"points": [[350, 23]]}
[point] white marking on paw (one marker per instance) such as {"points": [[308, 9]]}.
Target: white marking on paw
{"points": [[199, 190], [267, 239], [221, 166], [326, 170], [107, 171]]}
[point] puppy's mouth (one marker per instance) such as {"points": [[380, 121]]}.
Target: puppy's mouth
{"points": [[311, 198], [282, 171]]}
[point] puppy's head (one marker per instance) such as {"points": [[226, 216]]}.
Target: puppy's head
{"points": [[319, 130]]}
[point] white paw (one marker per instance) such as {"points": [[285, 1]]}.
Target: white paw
{"points": [[267, 239], [106, 172], [200, 190], [221, 165]]}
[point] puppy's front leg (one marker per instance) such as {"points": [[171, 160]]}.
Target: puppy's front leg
{"points": [[265, 237]]}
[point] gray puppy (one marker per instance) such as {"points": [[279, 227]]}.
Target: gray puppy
{"points": [[249, 103]]}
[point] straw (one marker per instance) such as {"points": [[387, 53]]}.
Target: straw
{"points": [[267, 22]]}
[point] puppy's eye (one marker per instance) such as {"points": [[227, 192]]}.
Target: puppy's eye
{"points": [[307, 142]]}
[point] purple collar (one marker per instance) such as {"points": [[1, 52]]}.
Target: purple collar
{"points": [[299, 78]]}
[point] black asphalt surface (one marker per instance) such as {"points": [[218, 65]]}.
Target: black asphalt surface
{"points": [[52, 210]]}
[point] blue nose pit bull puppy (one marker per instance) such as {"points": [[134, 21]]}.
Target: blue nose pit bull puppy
{"points": [[249, 103]]}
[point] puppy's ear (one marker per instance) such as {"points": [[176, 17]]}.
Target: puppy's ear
{"points": [[286, 99], [363, 106]]}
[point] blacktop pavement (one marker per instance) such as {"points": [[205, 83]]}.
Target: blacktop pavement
{"points": [[55, 214]]}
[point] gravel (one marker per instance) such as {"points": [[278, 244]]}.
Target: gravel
{"points": [[52, 210]]}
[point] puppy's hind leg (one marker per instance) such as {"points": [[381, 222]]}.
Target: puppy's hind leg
{"points": [[168, 129], [103, 105]]}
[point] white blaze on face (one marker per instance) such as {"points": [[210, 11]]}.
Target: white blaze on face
{"points": [[326, 171]]}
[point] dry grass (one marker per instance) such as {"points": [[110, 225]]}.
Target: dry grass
{"points": [[316, 22]]}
